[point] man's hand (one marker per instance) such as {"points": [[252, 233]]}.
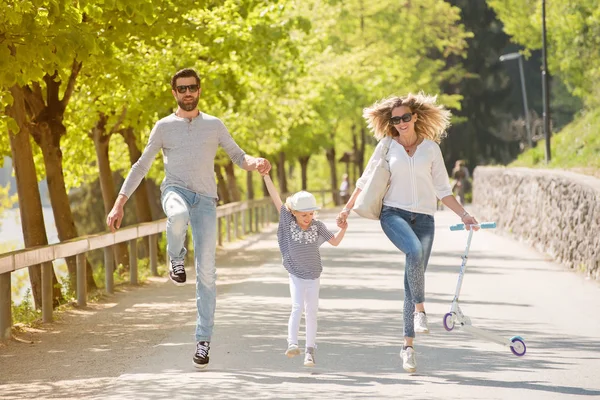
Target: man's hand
{"points": [[263, 166], [114, 218]]}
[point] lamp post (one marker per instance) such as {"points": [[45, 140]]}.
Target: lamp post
{"points": [[518, 56], [545, 88]]}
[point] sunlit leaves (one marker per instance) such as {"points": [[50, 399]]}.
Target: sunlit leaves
{"points": [[573, 33]]}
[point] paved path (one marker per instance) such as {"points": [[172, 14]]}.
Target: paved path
{"points": [[138, 343]]}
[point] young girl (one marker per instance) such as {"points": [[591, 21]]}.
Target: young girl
{"points": [[300, 235]]}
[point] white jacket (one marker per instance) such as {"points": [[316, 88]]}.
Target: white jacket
{"points": [[415, 181]]}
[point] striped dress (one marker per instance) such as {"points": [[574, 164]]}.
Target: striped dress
{"points": [[300, 248]]}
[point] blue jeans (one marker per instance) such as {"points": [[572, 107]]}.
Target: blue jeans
{"points": [[412, 234], [181, 207]]}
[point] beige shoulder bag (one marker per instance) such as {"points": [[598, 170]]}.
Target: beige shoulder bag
{"points": [[370, 200]]}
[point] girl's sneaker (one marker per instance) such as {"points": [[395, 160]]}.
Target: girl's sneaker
{"points": [[309, 357], [292, 350]]}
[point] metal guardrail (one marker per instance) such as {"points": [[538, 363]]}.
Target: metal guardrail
{"points": [[244, 216]]}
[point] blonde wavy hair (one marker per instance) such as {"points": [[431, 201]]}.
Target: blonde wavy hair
{"points": [[432, 119]]}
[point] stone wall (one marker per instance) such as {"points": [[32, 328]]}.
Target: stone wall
{"points": [[556, 212]]}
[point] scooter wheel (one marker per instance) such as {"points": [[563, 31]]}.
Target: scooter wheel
{"points": [[518, 347], [449, 321]]}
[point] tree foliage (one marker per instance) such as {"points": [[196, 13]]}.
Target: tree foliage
{"points": [[573, 34]]}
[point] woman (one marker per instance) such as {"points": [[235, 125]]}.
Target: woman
{"points": [[416, 124]]}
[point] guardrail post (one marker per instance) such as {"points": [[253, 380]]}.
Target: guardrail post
{"points": [[243, 212], [81, 281], [250, 219], [220, 229], [228, 227], [5, 306], [133, 266], [256, 221], [153, 243], [109, 269], [47, 306], [236, 228]]}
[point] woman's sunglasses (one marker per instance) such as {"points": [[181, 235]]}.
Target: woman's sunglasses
{"points": [[182, 88], [403, 118]]}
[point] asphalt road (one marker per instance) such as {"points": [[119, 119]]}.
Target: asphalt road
{"points": [[138, 343]]}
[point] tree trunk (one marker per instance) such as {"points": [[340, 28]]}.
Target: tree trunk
{"points": [[140, 196], [333, 172], [303, 170], [30, 203], [48, 128], [281, 173], [142, 202], [222, 185], [250, 191], [352, 172], [249, 185], [107, 184], [360, 155], [232, 182]]}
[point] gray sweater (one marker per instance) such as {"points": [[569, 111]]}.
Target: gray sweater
{"points": [[189, 148]]}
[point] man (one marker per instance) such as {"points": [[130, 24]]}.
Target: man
{"points": [[189, 140]]}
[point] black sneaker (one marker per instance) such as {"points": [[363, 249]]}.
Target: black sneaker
{"points": [[201, 355], [177, 272]]}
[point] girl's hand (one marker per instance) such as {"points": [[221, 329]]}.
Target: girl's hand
{"points": [[342, 224]]}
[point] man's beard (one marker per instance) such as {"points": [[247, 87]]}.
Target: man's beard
{"points": [[188, 106]]}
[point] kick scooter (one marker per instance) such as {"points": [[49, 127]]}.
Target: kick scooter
{"points": [[455, 318]]}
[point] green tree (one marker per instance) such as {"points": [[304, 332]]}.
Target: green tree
{"points": [[573, 33]]}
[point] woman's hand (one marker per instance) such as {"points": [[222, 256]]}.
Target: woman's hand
{"points": [[342, 217], [470, 220]]}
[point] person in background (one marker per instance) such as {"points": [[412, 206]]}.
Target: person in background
{"points": [[344, 189], [416, 124], [461, 177]]}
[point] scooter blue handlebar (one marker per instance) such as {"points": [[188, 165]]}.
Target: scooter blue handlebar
{"points": [[483, 225]]}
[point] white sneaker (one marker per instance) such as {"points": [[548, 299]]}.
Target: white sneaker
{"points": [[420, 320], [292, 350], [309, 357], [409, 362]]}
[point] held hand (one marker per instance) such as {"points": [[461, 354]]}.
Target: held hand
{"points": [[470, 220], [342, 216], [263, 166], [114, 218], [342, 224]]}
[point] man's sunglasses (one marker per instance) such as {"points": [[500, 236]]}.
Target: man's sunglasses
{"points": [[403, 118], [182, 88]]}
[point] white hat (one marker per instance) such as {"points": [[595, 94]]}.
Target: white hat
{"points": [[303, 201]]}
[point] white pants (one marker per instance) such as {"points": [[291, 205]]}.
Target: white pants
{"points": [[305, 296]]}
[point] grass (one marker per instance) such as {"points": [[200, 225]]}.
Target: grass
{"points": [[575, 148], [25, 314]]}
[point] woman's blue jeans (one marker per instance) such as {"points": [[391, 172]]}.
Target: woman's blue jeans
{"points": [[412, 234], [181, 207]]}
